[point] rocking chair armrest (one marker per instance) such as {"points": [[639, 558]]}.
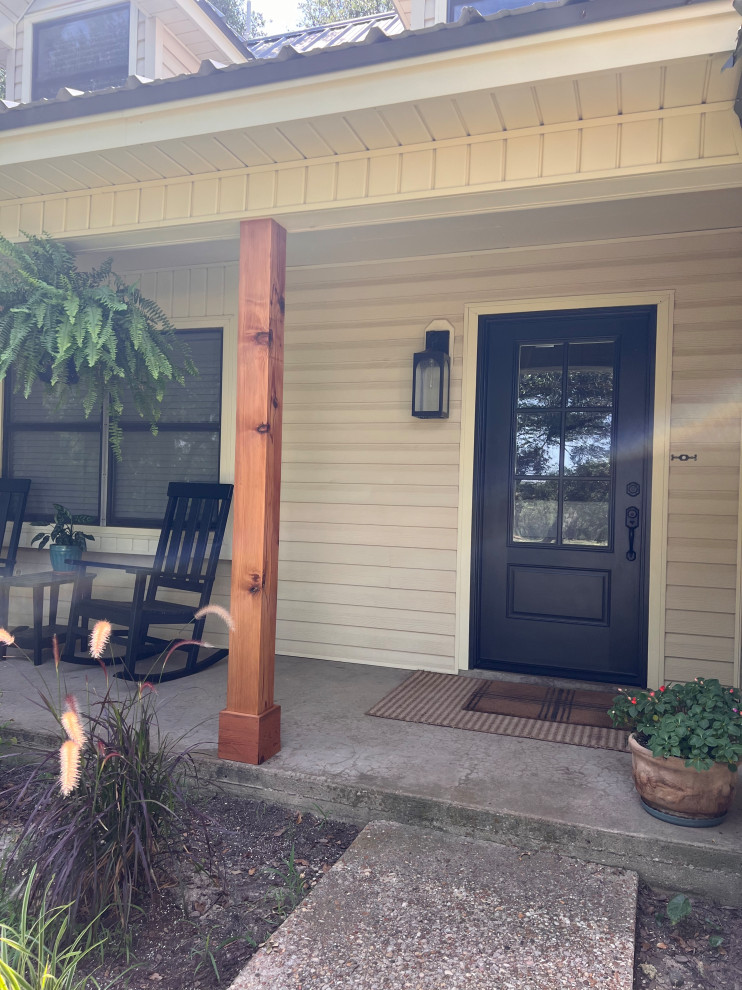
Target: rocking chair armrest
{"points": [[129, 568]]}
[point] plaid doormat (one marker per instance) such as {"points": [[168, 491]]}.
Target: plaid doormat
{"points": [[504, 708]]}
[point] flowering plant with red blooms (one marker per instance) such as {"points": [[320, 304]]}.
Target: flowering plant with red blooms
{"points": [[699, 721]]}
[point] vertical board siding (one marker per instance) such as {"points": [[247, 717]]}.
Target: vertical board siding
{"points": [[141, 44], [17, 56], [370, 495]]}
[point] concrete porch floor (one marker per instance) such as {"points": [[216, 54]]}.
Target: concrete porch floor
{"points": [[340, 762]]}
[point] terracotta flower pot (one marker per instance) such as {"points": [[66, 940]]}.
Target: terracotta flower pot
{"points": [[679, 794]]}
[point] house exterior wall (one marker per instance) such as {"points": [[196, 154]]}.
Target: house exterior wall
{"points": [[353, 331], [370, 497]]}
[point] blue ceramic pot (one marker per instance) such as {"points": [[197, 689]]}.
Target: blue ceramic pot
{"points": [[59, 554]]}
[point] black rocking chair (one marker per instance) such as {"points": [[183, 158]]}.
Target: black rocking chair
{"points": [[186, 560], [13, 497]]}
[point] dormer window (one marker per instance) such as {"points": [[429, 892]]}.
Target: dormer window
{"points": [[85, 51]]}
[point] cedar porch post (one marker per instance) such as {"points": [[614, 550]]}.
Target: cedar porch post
{"points": [[250, 725]]}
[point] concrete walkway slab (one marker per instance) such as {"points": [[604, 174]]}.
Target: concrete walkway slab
{"points": [[410, 908]]}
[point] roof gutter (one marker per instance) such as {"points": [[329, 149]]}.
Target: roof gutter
{"points": [[471, 30]]}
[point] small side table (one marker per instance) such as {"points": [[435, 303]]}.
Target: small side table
{"points": [[41, 635]]}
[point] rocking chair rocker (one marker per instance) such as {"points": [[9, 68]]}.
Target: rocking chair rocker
{"points": [[186, 560]]}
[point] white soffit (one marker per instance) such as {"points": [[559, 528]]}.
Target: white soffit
{"points": [[595, 96]]}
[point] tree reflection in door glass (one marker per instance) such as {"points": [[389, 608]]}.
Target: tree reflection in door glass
{"points": [[564, 435], [535, 511], [587, 444], [590, 373], [538, 443], [585, 519], [540, 375]]}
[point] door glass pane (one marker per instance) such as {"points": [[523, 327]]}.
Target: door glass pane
{"points": [[587, 444], [590, 373], [585, 509], [537, 444], [540, 374], [535, 511]]}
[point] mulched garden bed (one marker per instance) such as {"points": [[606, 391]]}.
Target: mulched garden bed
{"points": [[701, 952], [265, 859], [212, 918]]}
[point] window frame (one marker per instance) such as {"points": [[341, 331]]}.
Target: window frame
{"points": [[106, 460], [68, 18], [58, 12]]}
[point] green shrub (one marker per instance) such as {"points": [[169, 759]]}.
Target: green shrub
{"points": [[699, 722]]}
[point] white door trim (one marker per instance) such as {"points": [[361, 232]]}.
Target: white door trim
{"points": [[664, 301]]}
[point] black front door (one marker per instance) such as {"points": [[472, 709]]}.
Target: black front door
{"points": [[561, 493]]}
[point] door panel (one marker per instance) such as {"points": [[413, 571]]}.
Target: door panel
{"points": [[561, 491]]}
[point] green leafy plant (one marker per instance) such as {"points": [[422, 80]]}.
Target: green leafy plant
{"points": [[102, 828], [293, 886], [698, 721], [678, 908], [38, 950], [63, 530], [87, 331], [206, 951]]}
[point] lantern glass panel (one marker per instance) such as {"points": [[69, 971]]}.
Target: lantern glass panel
{"points": [[446, 386], [428, 384]]}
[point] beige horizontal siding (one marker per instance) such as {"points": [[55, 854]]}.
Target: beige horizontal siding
{"points": [[370, 495], [360, 324]]}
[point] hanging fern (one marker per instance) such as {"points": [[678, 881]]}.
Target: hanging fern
{"points": [[87, 331]]}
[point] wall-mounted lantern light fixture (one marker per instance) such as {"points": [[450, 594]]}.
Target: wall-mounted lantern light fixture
{"points": [[431, 374]]}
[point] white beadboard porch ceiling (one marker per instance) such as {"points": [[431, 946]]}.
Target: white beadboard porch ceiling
{"points": [[649, 88]]}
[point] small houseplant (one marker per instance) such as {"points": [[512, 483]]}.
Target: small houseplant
{"points": [[686, 745], [66, 541]]}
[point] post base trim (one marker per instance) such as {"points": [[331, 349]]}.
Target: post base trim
{"points": [[249, 738]]}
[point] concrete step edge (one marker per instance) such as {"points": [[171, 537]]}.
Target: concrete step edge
{"points": [[676, 862]]}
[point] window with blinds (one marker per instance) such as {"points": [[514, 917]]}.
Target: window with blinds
{"points": [[50, 441]]}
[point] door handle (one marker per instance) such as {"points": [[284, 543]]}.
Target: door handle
{"points": [[632, 524]]}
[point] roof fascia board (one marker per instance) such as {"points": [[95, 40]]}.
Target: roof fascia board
{"points": [[526, 59]]}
